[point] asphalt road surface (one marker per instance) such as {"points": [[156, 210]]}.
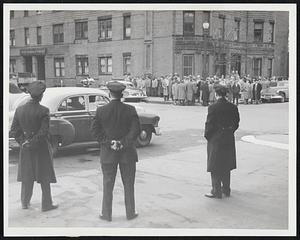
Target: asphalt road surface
{"points": [[171, 178]]}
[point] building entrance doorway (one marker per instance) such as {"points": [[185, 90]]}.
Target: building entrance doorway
{"points": [[40, 67], [28, 64]]}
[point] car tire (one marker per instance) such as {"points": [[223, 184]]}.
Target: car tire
{"points": [[145, 137], [54, 145]]}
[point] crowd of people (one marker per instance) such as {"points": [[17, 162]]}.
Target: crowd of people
{"points": [[194, 89]]}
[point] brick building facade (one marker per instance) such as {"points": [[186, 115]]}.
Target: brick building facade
{"points": [[69, 45]]}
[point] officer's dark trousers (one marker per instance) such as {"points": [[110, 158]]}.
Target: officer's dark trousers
{"points": [[128, 176], [26, 193], [218, 178]]}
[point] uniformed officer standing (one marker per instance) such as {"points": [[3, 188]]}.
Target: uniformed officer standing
{"points": [[30, 128], [221, 123], [116, 127]]}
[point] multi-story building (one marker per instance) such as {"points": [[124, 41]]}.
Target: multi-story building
{"points": [[70, 45]]}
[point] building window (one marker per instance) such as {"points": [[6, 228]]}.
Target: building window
{"points": [[126, 63], [236, 63], [59, 67], [26, 35], [272, 31], [126, 26], [12, 65], [39, 35], [270, 66], [104, 28], [12, 38], [82, 65], [188, 23], [81, 30], [206, 18], [105, 65], [257, 66], [258, 32], [148, 56], [222, 27], [58, 33], [237, 29], [38, 12], [188, 65], [12, 14], [25, 13]]}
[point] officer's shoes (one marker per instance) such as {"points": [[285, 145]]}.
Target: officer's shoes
{"points": [[210, 195], [52, 207], [135, 215], [105, 218], [25, 206]]}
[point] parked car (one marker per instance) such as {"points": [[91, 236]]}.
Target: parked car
{"points": [[276, 92], [131, 93], [72, 110], [14, 94]]}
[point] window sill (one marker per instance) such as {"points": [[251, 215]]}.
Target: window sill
{"points": [[58, 43], [105, 74], [104, 39], [126, 38], [82, 75]]}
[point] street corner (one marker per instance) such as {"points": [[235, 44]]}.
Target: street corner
{"points": [[272, 140]]}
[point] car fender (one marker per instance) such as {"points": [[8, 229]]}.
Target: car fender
{"points": [[149, 119], [62, 128]]}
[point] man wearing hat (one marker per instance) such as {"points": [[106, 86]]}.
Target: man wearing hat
{"points": [[116, 126], [221, 123], [30, 128]]}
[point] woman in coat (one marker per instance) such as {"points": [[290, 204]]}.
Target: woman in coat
{"points": [[181, 92], [30, 128], [221, 123], [175, 91], [165, 87], [205, 93]]}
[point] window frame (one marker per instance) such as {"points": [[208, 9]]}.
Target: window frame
{"points": [[261, 39], [270, 68], [125, 16], [125, 66], [106, 58], [184, 67], [222, 18], [10, 64], [12, 41], [82, 24], [96, 95], [26, 13], [12, 14], [79, 58], [238, 27], [72, 110], [272, 23], [26, 36], [60, 34], [105, 20], [185, 32], [59, 60], [38, 37]]}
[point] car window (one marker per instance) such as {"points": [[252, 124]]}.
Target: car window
{"points": [[72, 104], [96, 101]]}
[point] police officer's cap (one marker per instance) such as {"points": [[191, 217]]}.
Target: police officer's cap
{"points": [[221, 90], [36, 88], [116, 87]]}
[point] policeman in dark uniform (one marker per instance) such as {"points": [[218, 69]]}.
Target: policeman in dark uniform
{"points": [[30, 128], [116, 127], [221, 123]]}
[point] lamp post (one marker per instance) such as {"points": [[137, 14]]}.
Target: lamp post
{"points": [[205, 35]]}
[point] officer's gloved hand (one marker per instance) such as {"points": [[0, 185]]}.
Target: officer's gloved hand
{"points": [[116, 145]]}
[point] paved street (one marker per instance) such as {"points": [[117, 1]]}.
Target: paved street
{"points": [[171, 178]]}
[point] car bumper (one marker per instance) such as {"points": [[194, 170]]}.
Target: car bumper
{"points": [[277, 97], [157, 131]]}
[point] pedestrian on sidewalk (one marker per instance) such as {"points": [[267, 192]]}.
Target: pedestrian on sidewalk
{"points": [[236, 92], [116, 127], [30, 128], [205, 92], [221, 123], [175, 91], [165, 87], [181, 92]]}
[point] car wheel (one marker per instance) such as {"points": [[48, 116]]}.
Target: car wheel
{"points": [[283, 97], [54, 144], [144, 138]]}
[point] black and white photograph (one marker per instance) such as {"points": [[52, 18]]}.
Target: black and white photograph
{"points": [[149, 119]]}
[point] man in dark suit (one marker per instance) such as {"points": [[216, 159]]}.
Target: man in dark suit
{"points": [[116, 127], [236, 92], [30, 128], [257, 87], [221, 123]]}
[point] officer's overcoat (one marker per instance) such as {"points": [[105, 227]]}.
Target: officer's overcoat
{"points": [[221, 123], [116, 121], [31, 121]]}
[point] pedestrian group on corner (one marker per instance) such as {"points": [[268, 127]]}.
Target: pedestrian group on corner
{"points": [[116, 127]]}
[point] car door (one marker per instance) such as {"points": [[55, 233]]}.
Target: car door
{"points": [[94, 101], [74, 109]]}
